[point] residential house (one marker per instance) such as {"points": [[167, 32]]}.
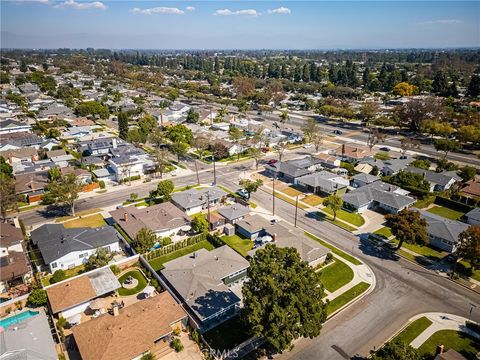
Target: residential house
{"points": [[193, 201], [394, 166], [323, 183], [473, 217], [82, 175], [73, 296], [32, 183], [143, 327], [19, 155], [450, 354], [163, 219], [471, 190], [352, 153], [76, 132], [28, 88], [284, 235], [104, 174], [363, 168], [205, 281], [377, 195], [99, 146], [64, 248], [363, 179], [252, 226], [328, 161], [125, 167], [437, 181], [12, 126], [56, 111], [30, 338], [442, 232], [17, 140], [233, 213], [290, 170], [14, 268]]}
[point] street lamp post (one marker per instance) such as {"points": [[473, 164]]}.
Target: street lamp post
{"points": [[471, 310]]}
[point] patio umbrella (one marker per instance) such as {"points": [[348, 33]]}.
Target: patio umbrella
{"points": [[96, 304], [149, 290], [75, 319]]}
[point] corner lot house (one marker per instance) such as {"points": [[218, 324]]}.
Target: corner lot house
{"points": [[63, 248], [14, 268], [30, 338], [193, 201], [163, 219], [323, 183], [292, 169], [204, 280], [234, 213], [442, 232], [378, 195], [284, 235], [145, 326], [72, 296]]}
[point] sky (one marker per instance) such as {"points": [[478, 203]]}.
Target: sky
{"points": [[257, 24]]}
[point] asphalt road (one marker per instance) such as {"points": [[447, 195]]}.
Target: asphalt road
{"points": [[402, 288]]}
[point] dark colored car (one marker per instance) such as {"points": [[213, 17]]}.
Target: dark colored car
{"points": [[271, 161], [385, 148], [337, 132]]}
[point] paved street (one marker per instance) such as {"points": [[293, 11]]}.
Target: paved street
{"points": [[402, 291]]}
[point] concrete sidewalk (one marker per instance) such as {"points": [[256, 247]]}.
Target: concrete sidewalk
{"points": [[441, 321]]}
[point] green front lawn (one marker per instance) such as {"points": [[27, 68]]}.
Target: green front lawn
{"points": [[313, 200], [136, 274], [158, 262], [451, 339], [346, 297], [411, 332], [446, 212], [323, 216], [336, 275], [384, 232], [291, 191], [352, 218], [240, 245], [92, 221], [227, 335], [382, 155], [334, 250], [426, 251], [289, 200], [68, 274]]}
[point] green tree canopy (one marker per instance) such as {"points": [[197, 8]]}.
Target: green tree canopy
{"points": [[251, 186], [179, 133], [334, 203], [37, 298], [200, 224], [165, 189], [144, 240], [396, 350], [468, 247], [283, 297], [123, 120], [408, 226], [93, 108], [101, 258], [66, 191]]}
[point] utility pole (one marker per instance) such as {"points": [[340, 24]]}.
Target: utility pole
{"points": [[196, 170], [208, 208], [471, 309], [296, 210], [273, 198], [214, 171]]}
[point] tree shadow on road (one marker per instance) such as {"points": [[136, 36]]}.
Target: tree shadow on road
{"points": [[51, 211], [377, 249]]}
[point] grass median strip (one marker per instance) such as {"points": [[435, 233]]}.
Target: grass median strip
{"points": [[335, 250], [346, 297], [290, 201], [411, 332]]}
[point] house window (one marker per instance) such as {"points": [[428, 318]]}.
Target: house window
{"points": [[53, 265], [81, 256]]}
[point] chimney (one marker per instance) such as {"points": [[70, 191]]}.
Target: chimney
{"points": [[440, 349], [115, 311], [125, 216], [114, 143]]}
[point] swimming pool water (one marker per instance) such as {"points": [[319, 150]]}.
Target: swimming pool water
{"points": [[5, 323]]}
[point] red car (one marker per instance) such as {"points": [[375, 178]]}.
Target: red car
{"points": [[265, 149], [271, 162]]}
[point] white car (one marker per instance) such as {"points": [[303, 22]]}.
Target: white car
{"points": [[306, 146]]}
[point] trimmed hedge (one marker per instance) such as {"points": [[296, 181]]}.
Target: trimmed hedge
{"points": [[452, 204], [167, 249]]}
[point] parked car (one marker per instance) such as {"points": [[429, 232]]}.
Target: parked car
{"points": [[243, 194], [337, 132], [265, 149], [306, 146], [271, 161], [385, 148]]}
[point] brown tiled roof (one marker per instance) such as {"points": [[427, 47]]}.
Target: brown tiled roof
{"points": [[9, 234], [54, 153], [131, 333], [33, 181], [472, 188], [159, 217], [355, 152], [15, 267], [19, 153], [82, 122], [70, 293], [72, 170]]}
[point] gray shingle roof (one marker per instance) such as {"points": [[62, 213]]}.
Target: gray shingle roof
{"points": [[443, 228], [198, 279], [432, 176], [196, 197], [326, 180], [474, 214], [233, 212], [378, 191], [366, 178], [55, 241]]}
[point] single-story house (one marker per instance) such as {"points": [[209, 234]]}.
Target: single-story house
{"points": [[363, 179], [72, 296], [193, 201], [103, 174], [442, 232], [163, 219], [203, 281], [363, 168], [471, 189], [30, 338], [252, 226], [377, 195], [394, 166], [292, 169], [233, 213], [64, 248], [14, 267], [323, 183], [437, 181], [284, 235], [473, 216], [32, 182], [12, 126], [352, 152], [143, 327], [22, 154], [328, 161]]}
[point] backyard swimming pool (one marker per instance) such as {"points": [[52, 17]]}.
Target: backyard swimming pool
{"points": [[5, 323]]}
